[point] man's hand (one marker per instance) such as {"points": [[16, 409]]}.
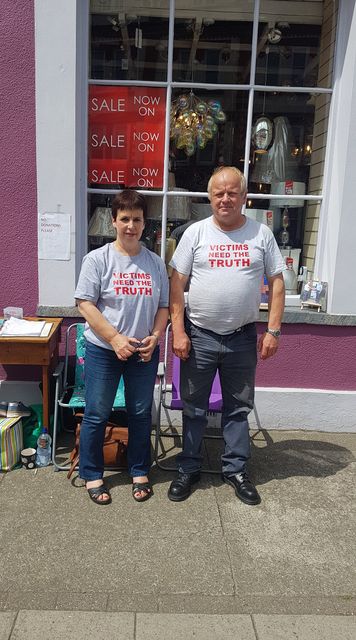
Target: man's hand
{"points": [[267, 345], [181, 345]]}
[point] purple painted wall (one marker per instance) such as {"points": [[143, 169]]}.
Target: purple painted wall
{"points": [[310, 357], [18, 238], [313, 357]]}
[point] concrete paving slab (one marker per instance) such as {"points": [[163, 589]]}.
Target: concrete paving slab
{"points": [[308, 489], [7, 620], [74, 544], [197, 627], [305, 627], [344, 440], [196, 563], [300, 544], [178, 603], [280, 455], [211, 554], [36, 598], [143, 602], [249, 604], [59, 625], [170, 447], [81, 601], [345, 605]]}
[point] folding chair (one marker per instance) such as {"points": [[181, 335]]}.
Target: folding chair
{"points": [[72, 397], [175, 403]]}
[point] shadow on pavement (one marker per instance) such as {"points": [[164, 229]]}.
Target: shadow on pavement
{"points": [[292, 457], [270, 459]]}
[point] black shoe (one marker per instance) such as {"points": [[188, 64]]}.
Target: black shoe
{"points": [[181, 487], [243, 486]]}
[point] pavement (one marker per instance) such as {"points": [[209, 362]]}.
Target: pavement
{"points": [[207, 568]]}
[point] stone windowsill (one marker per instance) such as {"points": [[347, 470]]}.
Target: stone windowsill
{"points": [[292, 315]]}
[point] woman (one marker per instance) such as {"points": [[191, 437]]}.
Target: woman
{"points": [[122, 293]]}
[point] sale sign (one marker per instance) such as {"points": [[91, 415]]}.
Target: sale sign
{"points": [[126, 136]]}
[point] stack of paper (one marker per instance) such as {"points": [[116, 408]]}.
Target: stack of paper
{"points": [[18, 327]]}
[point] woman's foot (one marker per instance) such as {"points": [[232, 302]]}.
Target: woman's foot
{"points": [[141, 488], [98, 492]]}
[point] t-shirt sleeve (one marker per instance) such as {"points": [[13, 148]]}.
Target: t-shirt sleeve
{"points": [[274, 263], [182, 259], [89, 283]]}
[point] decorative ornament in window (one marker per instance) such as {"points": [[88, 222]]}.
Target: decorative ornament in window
{"points": [[194, 122], [263, 129], [262, 134]]}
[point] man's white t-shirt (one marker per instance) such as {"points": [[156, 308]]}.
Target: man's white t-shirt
{"points": [[226, 270]]}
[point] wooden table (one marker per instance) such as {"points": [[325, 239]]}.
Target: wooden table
{"points": [[26, 350]]}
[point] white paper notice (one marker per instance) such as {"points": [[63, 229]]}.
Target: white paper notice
{"points": [[54, 236]]}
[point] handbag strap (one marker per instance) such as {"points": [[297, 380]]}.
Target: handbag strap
{"points": [[72, 466]]}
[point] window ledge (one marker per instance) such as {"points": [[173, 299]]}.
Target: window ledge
{"points": [[61, 312], [291, 316], [308, 316]]}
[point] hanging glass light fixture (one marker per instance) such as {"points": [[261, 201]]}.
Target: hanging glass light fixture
{"points": [[263, 130], [194, 122]]}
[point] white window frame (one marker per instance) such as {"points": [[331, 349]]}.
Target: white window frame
{"points": [[170, 84], [62, 40]]}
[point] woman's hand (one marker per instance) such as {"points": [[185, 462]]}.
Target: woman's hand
{"points": [[124, 346], [147, 347]]}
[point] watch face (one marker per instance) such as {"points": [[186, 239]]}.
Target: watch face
{"points": [[274, 332]]}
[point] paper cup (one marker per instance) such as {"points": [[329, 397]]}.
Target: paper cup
{"points": [[28, 458]]}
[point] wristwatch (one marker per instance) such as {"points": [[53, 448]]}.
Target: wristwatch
{"points": [[274, 332]]}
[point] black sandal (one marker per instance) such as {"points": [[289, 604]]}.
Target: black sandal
{"points": [[145, 487], [96, 492]]}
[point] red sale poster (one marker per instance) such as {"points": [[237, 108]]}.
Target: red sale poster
{"points": [[126, 136]]}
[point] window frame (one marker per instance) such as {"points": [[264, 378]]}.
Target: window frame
{"points": [[250, 87]]}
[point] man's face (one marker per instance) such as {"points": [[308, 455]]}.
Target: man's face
{"points": [[227, 200]]}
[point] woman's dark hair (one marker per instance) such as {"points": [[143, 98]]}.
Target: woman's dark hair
{"points": [[128, 200]]}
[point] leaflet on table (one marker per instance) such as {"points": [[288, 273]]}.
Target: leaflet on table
{"points": [[17, 327]]}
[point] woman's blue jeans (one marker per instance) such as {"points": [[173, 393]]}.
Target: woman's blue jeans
{"points": [[102, 370], [235, 357]]}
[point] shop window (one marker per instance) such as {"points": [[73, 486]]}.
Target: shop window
{"points": [[210, 49], [277, 69], [128, 43]]}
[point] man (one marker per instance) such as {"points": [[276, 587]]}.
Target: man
{"points": [[223, 258]]}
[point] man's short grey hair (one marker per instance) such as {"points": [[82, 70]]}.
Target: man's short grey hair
{"points": [[234, 170]]}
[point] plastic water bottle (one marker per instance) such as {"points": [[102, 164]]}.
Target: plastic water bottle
{"points": [[43, 452]]}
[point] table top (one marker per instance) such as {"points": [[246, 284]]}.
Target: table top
{"points": [[56, 322]]}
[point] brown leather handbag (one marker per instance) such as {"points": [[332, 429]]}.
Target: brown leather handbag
{"points": [[115, 446]]}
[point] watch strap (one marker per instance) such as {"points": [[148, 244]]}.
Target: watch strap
{"points": [[274, 332]]}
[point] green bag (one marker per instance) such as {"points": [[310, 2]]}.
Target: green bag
{"points": [[32, 426]]}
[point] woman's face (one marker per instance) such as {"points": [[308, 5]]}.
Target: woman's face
{"points": [[129, 225]]}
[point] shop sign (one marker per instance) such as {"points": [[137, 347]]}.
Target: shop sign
{"points": [[126, 136]]}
